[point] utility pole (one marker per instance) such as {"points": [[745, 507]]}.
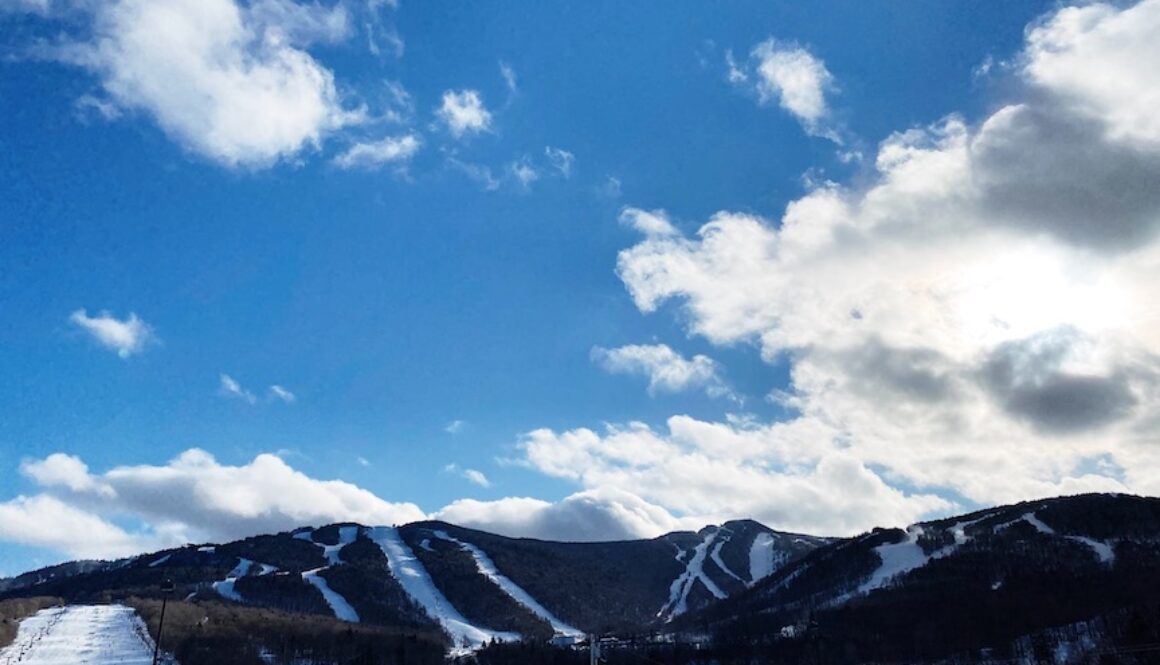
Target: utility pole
{"points": [[166, 588], [593, 650]]}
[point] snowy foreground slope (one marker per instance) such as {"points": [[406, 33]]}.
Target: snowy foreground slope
{"points": [[81, 635]]}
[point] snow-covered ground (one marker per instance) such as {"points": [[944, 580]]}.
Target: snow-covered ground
{"points": [[415, 580], [81, 635], [515, 591], [337, 603], [694, 572]]}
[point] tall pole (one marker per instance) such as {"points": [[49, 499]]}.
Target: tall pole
{"points": [[167, 587], [593, 650]]}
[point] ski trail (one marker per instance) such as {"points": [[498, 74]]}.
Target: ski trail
{"points": [[160, 560], [761, 558], [1102, 550], [415, 580], [715, 555], [513, 590], [346, 536], [225, 588], [81, 634], [694, 572], [338, 604]]}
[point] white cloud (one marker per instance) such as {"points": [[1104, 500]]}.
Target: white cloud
{"points": [[463, 113], [196, 498], [592, 515], [1093, 57], [44, 521], [560, 159], [651, 223], [473, 476], [229, 83], [455, 426], [126, 337], [362, 461], [62, 470], [975, 321], [391, 150], [229, 387], [279, 393], [791, 76], [666, 370], [523, 171]]}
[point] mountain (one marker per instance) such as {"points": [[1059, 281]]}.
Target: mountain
{"points": [[473, 586], [1058, 580], [1063, 579]]}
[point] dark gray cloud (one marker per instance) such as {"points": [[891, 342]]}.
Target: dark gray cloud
{"points": [[1044, 168], [875, 369], [1026, 379]]}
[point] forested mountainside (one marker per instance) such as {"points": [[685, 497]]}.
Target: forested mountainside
{"points": [[1064, 578]]}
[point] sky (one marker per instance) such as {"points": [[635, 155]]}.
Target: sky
{"points": [[575, 272]]}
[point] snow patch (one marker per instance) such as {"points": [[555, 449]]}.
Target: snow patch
{"points": [[513, 590], [98, 634], [338, 605], [415, 580]]}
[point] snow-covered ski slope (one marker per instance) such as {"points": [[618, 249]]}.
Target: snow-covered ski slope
{"points": [[694, 572], [81, 635], [415, 580], [513, 590]]}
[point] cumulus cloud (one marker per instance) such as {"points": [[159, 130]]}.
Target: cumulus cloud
{"points": [[463, 113], [666, 370], [793, 78], [125, 336], [196, 498], [592, 515], [45, 521], [391, 150], [975, 320], [231, 83]]}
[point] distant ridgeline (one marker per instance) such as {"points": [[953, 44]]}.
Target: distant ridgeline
{"points": [[1060, 578]]}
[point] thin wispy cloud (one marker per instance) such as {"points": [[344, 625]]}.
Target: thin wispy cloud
{"points": [[561, 160], [229, 387], [391, 150]]}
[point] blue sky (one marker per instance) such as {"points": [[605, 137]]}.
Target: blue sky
{"points": [[465, 242]]}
